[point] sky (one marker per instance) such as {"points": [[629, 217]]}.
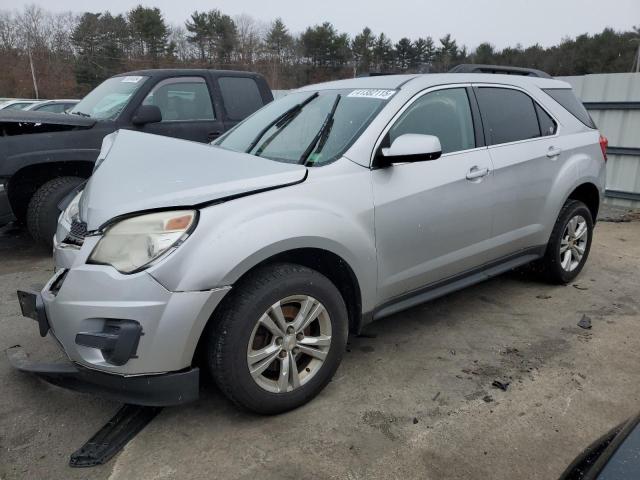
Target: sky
{"points": [[471, 22]]}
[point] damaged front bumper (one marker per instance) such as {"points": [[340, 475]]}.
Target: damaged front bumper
{"points": [[175, 388]]}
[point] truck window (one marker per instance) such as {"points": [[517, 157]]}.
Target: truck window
{"points": [[182, 99], [240, 95]]}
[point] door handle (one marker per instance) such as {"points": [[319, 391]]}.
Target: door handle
{"points": [[553, 152], [476, 172], [213, 135]]}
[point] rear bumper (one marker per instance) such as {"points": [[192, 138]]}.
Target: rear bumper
{"points": [[175, 388]]}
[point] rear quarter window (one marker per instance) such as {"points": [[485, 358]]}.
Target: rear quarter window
{"points": [[240, 95], [568, 99]]}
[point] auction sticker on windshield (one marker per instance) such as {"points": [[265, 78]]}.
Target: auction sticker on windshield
{"points": [[131, 79], [372, 93]]}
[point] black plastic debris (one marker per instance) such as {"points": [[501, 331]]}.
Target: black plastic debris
{"points": [[501, 385], [415, 420], [487, 398], [585, 322], [436, 396], [544, 297], [114, 435], [580, 287]]}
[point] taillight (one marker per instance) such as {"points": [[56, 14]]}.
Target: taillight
{"points": [[603, 145]]}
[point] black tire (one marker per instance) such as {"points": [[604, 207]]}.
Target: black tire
{"points": [[43, 213], [551, 263], [233, 325]]}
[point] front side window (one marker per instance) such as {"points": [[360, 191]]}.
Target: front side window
{"points": [[312, 128], [107, 100], [509, 114], [182, 99], [443, 113]]}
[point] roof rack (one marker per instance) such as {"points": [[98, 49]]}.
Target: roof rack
{"points": [[505, 70]]}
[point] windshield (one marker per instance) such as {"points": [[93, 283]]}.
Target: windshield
{"points": [[109, 98], [312, 128]]}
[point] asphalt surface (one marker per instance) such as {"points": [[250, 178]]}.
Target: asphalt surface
{"points": [[412, 399]]}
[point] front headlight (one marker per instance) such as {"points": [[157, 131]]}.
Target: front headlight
{"points": [[134, 243], [72, 209]]}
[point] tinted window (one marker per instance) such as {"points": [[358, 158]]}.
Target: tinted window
{"points": [[52, 107], [566, 98], [443, 113], [509, 114], [547, 124], [182, 99], [240, 95]]}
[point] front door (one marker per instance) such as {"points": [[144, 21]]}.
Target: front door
{"points": [[433, 218], [187, 110]]}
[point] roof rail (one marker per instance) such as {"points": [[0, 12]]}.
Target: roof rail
{"points": [[501, 69]]}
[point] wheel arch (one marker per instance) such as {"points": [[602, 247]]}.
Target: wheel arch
{"points": [[328, 263], [24, 183], [588, 194]]}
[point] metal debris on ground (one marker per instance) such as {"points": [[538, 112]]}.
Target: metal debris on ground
{"points": [[501, 385], [585, 322], [436, 396]]}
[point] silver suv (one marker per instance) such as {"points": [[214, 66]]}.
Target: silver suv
{"points": [[337, 205]]}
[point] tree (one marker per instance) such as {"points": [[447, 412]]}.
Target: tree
{"points": [[215, 35], [404, 54], [148, 31], [484, 54], [278, 41], [248, 36], [382, 53], [447, 53], [362, 49]]}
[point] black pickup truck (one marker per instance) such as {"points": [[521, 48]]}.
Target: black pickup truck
{"points": [[44, 156]]}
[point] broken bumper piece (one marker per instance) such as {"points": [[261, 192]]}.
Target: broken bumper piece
{"points": [[175, 388]]}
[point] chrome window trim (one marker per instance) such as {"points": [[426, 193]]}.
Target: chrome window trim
{"points": [[525, 140]]}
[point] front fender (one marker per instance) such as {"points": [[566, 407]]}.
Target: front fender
{"points": [[328, 212]]}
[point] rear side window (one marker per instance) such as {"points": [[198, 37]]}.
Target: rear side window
{"points": [[568, 99], [241, 96], [510, 114], [547, 124]]}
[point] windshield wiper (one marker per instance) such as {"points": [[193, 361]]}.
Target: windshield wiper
{"points": [[280, 121], [81, 114], [321, 137]]}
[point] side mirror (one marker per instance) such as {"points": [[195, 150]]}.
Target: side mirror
{"points": [[146, 114], [411, 147]]}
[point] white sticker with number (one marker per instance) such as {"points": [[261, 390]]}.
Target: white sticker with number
{"points": [[131, 79], [372, 93]]}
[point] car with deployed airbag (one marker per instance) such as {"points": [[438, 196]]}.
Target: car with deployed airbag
{"points": [[339, 204]]}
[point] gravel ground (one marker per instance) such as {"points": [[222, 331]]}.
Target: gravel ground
{"points": [[412, 399]]}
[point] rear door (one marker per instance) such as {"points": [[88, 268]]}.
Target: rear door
{"points": [[187, 109], [433, 218], [524, 149]]}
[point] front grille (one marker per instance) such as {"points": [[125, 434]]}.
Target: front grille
{"points": [[77, 233]]}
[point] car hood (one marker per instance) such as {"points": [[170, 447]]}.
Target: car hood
{"points": [[144, 172], [45, 118]]}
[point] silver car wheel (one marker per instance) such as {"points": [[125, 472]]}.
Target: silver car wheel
{"points": [[289, 344], [574, 243]]}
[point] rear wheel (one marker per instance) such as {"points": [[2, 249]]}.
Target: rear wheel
{"points": [[278, 339], [43, 213], [570, 242]]}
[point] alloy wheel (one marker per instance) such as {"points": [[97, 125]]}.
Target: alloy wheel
{"points": [[574, 243], [289, 344]]}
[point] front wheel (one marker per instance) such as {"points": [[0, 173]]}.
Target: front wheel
{"points": [[278, 339], [570, 242], [43, 213]]}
